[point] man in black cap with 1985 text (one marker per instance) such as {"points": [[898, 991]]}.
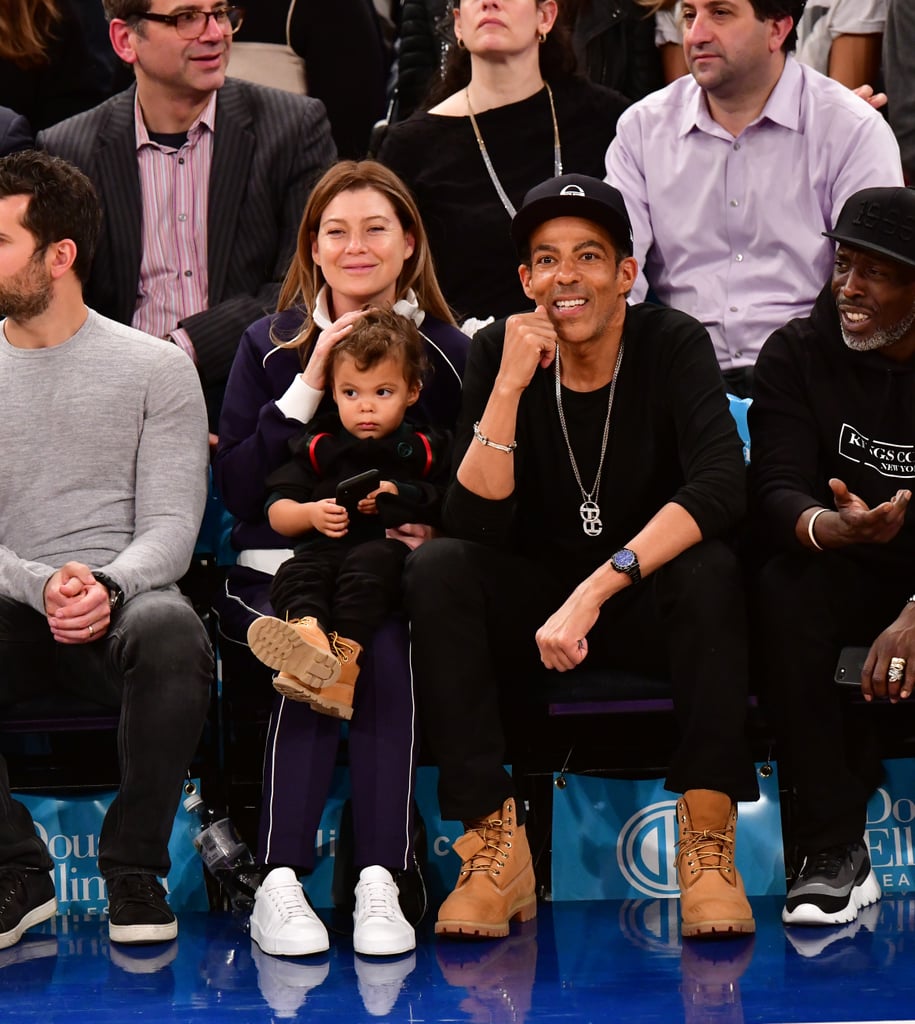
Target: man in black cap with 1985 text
{"points": [[597, 469], [833, 428]]}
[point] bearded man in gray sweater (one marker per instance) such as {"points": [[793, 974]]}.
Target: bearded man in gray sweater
{"points": [[104, 439]]}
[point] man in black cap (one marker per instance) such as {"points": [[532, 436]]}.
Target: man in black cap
{"points": [[833, 428], [596, 464]]}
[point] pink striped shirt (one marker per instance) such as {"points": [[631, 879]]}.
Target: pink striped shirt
{"points": [[175, 186]]}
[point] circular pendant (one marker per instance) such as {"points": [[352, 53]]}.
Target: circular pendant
{"points": [[590, 518]]}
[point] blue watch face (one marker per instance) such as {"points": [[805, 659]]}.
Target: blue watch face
{"points": [[624, 559]]}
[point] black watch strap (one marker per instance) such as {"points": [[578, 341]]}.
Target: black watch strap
{"points": [[115, 594]]}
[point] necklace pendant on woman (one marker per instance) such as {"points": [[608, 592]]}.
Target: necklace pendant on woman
{"points": [[590, 518]]}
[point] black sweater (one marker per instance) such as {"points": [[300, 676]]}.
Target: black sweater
{"points": [[672, 438]]}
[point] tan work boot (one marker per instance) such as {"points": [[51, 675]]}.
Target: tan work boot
{"points": [[712, 897], [335, 699], [496, 884], [298, 648]]}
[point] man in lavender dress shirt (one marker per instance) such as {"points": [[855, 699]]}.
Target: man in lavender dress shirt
{"points": [[202, 182], [732, 173]]}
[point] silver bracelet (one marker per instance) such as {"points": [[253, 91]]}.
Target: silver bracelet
{"points": [[816, 515], [507, 448]]}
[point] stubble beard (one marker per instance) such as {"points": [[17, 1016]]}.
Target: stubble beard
{"points": [[881, 338], [27, 295]]}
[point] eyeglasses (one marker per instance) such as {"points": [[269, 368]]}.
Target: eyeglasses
{"points": [[192, 24]]}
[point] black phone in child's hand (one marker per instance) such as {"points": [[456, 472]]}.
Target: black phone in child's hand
{"points": [[352, 490], [850, 665]]}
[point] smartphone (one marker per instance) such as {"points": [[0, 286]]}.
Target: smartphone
{"points": [[849, 666], [352, 490]]}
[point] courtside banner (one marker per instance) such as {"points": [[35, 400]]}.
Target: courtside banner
{"points": [[615, 839], [70, 828], [890, 827]]}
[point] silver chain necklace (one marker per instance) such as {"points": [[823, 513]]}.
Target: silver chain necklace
{"points": [[493, 177], [589, 510]]}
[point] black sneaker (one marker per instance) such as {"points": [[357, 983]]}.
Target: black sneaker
{"points": [[832, 886], [26, 898], [137, 910]]}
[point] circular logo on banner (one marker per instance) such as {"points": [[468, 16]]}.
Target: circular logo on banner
{"points": [[644, 849]]}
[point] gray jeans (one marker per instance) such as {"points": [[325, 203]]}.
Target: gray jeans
{"points": [[156, 665]]}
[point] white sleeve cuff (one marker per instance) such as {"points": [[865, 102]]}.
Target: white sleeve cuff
{"points": [[301, 400]]}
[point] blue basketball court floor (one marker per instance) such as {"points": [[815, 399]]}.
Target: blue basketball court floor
{"points": [[619, 961]]}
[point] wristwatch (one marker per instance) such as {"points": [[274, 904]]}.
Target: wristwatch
{"points": [[627, 561], [115, 594]]}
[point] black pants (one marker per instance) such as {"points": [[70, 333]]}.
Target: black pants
{"points": [[156, 665], [739, 381], [808, 606], [301, 749], [474, 612], [350, 589]]}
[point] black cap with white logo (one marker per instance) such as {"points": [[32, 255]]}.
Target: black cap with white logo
{"points": [[573, 195], [880, 220]]}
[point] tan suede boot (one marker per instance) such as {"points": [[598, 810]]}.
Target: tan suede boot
{"points": [[298, 648], [335, 699], [712, 897], [496, 884]]}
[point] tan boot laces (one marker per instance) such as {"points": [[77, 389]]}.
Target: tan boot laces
{"points": [[493, 833], [705, 850], [341, 648]]}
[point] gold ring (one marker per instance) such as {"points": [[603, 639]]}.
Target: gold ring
{"points": [[897, 670], [91, 631]]}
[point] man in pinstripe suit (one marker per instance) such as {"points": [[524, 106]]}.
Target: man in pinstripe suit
{"points": [[202, 182]]}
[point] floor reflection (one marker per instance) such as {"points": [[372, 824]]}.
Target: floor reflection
{"points": [[497, 976], [608, 961]]}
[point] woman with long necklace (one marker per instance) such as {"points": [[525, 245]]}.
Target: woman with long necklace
{"points": [[508, 113]]}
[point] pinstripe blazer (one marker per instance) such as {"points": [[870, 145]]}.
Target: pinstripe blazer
{"points": [[268, 149]]}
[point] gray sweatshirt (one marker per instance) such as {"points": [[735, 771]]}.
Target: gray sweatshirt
{"points": [[103, 459]]}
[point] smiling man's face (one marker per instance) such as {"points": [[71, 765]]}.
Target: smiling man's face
{"points": [[576, 275], [875, 297]]}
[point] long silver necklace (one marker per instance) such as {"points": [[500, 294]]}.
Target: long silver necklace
{"points": [[493, 177], [589, 510]]}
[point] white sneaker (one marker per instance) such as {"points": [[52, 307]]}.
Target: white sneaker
{"points": [[282, 921], [379, 927]]}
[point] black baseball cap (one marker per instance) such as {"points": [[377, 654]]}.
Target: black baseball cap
{"points": [[573, 195], [880, 220]]}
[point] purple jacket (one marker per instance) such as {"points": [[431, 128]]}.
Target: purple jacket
{"points": [[254, 434]]}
